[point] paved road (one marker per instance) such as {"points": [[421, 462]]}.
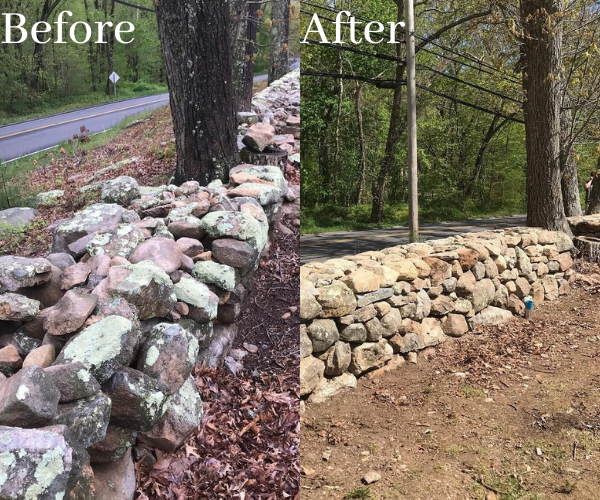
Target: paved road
{"points": [[19, 139], [320, 247]]}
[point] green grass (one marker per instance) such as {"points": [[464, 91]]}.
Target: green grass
{"points": [[10, 193], [37, 108], [328, 218], [362, 493]]}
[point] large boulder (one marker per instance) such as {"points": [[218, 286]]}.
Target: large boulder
{"points": [[182, 417], [16, 218], [490, 316], [70, 313], [103, 347]]}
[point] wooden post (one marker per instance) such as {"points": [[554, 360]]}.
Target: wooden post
{"points": [[413, 190]]}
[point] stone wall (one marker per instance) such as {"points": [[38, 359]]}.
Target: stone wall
{"points": [[362, 312], [99, 339]]}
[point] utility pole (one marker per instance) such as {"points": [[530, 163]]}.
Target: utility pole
{"points": [[413, 189]]}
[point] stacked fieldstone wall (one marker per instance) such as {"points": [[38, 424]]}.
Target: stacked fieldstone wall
{"points": [[362, 312], [99, 339]]}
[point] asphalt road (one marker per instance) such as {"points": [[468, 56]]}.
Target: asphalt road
{"points": [[19, 139], [321, 247]]}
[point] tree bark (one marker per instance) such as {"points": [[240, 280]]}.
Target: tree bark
{"points": [[246, 88], [361, 141], [239, 19], [542, 56], [280, 34], [38, 49], [195, 39]]}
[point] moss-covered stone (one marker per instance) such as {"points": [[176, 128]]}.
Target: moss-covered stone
{"points": [[215, 274]]}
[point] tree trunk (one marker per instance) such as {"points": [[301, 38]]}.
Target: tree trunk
{"points": [[195, 39], [493, 129], [361, 141], [542, 57], [393, 137], [38, 49], [280, 34], [568, 166], [246, 88], [239, 19], [594, 202], [336, 158]]}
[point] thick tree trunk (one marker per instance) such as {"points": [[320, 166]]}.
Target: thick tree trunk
{"points": [[195, 38], [280, 34], [336, 158], [38, 49], [542, 58], [246, 88], [361, 142], [568, 165], [594, 201]]}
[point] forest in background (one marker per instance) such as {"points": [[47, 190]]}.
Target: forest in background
{"points": [[471, 162], [41, 79]]}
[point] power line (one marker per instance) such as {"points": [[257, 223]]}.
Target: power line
{"points": [[380, 83], [464, 82], [468, 104], [135, 6], [376, 55]]}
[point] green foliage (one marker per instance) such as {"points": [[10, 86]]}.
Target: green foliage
{"points": [[362, 493]]}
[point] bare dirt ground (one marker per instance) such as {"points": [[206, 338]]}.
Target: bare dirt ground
{"points": [[513, 413]]}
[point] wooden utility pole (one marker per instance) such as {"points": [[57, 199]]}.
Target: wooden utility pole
{"points": [[413, 190]]}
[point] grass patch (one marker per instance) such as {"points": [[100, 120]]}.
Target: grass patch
{"points": [[362, 493], [15, 191], [471, 392], [329, 218], [37, 108]]}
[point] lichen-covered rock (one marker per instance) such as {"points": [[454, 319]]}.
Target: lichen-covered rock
{"points": [[73, 381], [137, 399], [87, 222], [265, 194], [121, 243], [16, 217], [323, 333], [338, 359], [103, 347], [70, 313], [182, 417], [37, 463], [266, 173], [28, 399], [164, 252], [169, 355], [215, 274], [113, 446], [309, 307], [50, 198], [122, 191], [147, 287], [14, 307], [237, 225], [202, 303], [86, 419], [22, 272]]}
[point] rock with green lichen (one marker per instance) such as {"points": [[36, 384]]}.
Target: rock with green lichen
{"points": [[14, 307], [39, 464], [102, 347], [266, 173], [22, 272], [73, 381], [93, 219], [204, 332], [203, 304], [113, 446], [209, 272], [237, 225], [137, 399], [182, 417], [148, 288], [50, 198], [87, 419], [265, 194], [29, 399], [169, 355], [121, 243], [122, 191]]}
